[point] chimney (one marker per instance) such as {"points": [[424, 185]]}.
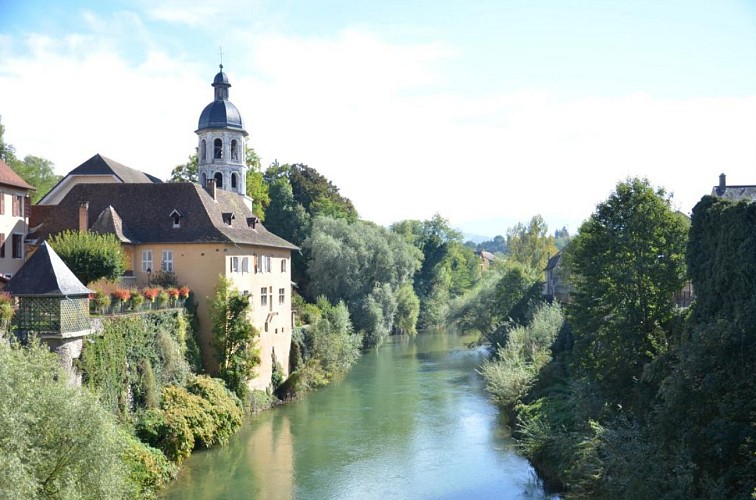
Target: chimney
{"points": [[211, 189], [84, 216], [722, 185]]}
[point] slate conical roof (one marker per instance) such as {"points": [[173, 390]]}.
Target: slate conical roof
{"points": [[45, 273], [109, 222]]}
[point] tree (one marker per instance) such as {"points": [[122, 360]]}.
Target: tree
{"points": [[627, 262], [37, 171], [530, 245], [90, 256], [186, 172], [235, 337], [257, 188], [56, 441]]}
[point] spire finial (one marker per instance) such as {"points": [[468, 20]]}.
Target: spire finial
{"points": [[220, 52]]}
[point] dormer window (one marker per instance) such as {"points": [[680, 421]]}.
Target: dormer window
{"points": [[176, 216], [252, 222], [228, 217]]}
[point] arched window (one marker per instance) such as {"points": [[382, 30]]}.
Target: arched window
{"points": [[218, 148], [203, 150], [233, 181], [234, 150], [218, 179], [203, 179]]}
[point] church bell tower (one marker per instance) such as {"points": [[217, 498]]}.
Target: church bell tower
{"points": [[221, 142]]}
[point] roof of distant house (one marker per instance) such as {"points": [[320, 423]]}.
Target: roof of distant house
{"points": [[147, 210], [733, 193], [45, 273], [11, 178]]}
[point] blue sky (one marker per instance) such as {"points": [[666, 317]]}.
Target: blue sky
{"points": [[486, 112]]}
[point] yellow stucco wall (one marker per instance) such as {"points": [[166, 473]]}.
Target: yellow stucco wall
{"points": [[198, 265]]}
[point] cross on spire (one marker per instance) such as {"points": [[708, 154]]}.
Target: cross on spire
{"points": [[220, 52]]}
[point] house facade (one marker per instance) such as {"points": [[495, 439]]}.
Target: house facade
{"points": [[15, 206]]}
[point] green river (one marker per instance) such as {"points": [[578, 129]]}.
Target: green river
{"points": [[410, 420]]}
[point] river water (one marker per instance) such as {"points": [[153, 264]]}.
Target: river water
{"points": [[410, 420]]}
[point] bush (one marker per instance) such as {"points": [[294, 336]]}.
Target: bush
{"points": [[261, 400], [90, 256], [169, 432], [149, 469], [307, 378], [225, 408]]}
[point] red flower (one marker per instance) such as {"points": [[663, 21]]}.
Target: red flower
{"points": [[121, 294], [150, 293], [184, 291], [173, 292]]}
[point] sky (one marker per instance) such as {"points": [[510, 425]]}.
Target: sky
{"points": [[485, 112]]}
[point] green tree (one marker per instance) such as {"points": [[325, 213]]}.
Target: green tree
{"points": [[186, 172], [7, 151], [531, 245], [56, 441], [627, 262], [39, 173], [257, 188], [90, 256], [235, 337]]}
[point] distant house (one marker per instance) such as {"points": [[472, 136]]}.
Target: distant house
{"points": [[485, 259], [733, 193], [556, 285], [15, 206]]}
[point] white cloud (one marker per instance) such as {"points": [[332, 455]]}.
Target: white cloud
{"points": [[370, 116]]}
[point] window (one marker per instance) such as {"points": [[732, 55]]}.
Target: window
{"points": [[18, 206], [218, 149], [245, 264], [167, 264], [147, 261], [234, 264], [2, 245], [2, 203], [281, 295], [264, 296], [203, 152], [283, 265], [263, 264], [267, 263], [218, 179], [233, 181], [18, 246], [176, 216]]}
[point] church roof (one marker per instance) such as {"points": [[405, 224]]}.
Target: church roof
{"points": [[146, 209], [10, 178], [45, 273], [100, 165], [221, 113]]}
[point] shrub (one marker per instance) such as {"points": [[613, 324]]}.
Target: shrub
{"points": [[260, 400], [169, 432], [225, 408], [90, 256], [165, 279], [177, 401], [149, 469]]}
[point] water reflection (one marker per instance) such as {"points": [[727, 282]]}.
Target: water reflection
{"points": [[409, 421]]}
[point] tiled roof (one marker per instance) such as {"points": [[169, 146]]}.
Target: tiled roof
{"points": [[146, 210], [45, 274], [100, 165], [11, 178]]}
